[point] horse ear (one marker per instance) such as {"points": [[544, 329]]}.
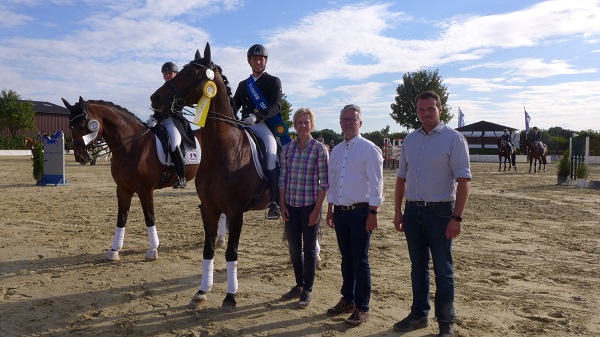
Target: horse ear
{"points": [[207, 56], [197, 56], [67, 105], [81, 101]]}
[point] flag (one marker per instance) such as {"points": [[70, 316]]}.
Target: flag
{"points": [[527, 119], [461, 118]]}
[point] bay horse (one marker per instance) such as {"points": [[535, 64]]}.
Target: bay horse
{"points": [[227, 181], [535, 156], [135, 166], [506, 151]]}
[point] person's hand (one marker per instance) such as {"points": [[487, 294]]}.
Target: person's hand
{"points": [[285, 213], [251, 119], [453, 229], [329, 219], [313, 217], [398, 221], [151, 122]]}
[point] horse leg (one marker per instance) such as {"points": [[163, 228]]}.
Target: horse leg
{"points": [[147, 201], [231, 256], [499, 162], [222, 231], [209, 222], [124, 203]]}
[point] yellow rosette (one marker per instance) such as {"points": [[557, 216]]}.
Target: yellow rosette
{"points": [[209, 91]]}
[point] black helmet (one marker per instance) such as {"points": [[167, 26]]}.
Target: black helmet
{"points": [[258, 49], [169, 66]]}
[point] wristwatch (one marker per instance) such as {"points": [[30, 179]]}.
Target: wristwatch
{"points": [[457, 218], [372, 211]]}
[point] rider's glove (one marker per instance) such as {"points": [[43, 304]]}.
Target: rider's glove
{"points": [[251, 119], [151, 122]]}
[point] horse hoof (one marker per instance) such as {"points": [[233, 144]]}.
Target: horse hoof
{"points": [[198, 300], [229, 302], [112, 255], [151, 255], [221, 241]]}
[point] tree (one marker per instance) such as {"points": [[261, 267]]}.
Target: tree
{"points": [[404, 110], [286, 109], [15, 114]]}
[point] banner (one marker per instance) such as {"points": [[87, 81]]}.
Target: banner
{"points": [[527, 119], [461, 118]]}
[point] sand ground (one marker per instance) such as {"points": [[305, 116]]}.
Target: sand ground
{"points": [[526, 264]]}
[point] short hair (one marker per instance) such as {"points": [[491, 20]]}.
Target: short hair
{"points": [[306, 111], [352, 107], [427, 95]]}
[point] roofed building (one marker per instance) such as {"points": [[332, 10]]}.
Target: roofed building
{"points": [[485, 134]]}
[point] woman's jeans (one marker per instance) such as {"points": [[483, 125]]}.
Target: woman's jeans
{"points": [[425, 231], [298, 233]]}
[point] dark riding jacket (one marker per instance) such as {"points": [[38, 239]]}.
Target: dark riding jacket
{"points": [[537, 137], [270, 87]]}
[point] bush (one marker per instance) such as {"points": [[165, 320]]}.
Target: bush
{"points": [[582, 171], [38, 162], [563, 168]]}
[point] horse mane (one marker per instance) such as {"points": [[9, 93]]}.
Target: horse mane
{"points": [[113, 105], [226, 81]]}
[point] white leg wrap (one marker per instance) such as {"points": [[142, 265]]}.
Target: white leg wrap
{"points": [[208, 267], [118, 239], [222, 225], [232, 281], [153, 238], [318, 247]]}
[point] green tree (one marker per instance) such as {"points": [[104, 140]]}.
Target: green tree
{"points": [[15, 114], [404, 110], [286, 109]]}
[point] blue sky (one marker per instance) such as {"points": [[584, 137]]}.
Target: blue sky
{"points": [[495, 56]]}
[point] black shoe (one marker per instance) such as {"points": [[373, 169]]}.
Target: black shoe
{"points": [[305, 299], [446, 329], [179, 183], [273, 213], [411, 323], [293, 293], [342, 307], [358, 317]]}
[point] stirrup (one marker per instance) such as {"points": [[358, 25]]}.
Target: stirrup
{"points": [[273, 213], [179, 183]]}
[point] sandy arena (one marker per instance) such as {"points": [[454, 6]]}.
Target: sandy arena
{"points": [[526, 264]]}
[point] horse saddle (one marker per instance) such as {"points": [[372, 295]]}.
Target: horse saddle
{"points": [[192, 156], [259, 150]]}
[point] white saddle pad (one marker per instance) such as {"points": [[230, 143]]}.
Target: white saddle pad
{"points": [[192, 156]]}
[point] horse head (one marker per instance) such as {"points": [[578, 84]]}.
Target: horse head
{"points": [[84, 129], [191, 83]]}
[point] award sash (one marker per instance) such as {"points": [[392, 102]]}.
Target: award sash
{"points": [[275, 123]]}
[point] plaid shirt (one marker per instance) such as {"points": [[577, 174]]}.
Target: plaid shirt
{"points": [[303, 174]]}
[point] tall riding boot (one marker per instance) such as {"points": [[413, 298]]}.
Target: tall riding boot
{"points": [[179, 168], [273, 176]]}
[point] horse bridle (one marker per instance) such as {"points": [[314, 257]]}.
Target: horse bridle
{"points": [[93, 125]]}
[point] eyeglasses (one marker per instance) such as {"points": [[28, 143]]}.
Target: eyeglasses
{"points": [[348, 120]]}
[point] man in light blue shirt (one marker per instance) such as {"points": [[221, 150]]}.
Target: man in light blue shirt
{"points": [[434, 176]]}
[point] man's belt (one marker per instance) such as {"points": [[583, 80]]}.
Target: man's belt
{"points": [[353, 207], [421, 203]]}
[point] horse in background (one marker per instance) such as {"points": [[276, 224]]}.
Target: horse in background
{"points": [[30, 143], [535, 156], [227, 181], [508, 152], [135, 168]]}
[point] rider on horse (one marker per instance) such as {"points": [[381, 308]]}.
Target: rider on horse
{"points": [[506, 137], [537, 139], [257, 109], [179, 130]]}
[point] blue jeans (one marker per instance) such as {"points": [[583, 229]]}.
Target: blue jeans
{"points": [[298, 232], [425, 231], [354, 241]]}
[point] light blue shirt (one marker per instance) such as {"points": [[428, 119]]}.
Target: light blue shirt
{"points": [[355, 173], [432, 162]]}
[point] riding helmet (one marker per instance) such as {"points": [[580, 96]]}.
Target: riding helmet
{"points": [[258, 49], [169, 66]]}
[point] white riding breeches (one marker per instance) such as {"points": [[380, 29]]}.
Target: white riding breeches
{"points": [[262, 130], [173, 132]]}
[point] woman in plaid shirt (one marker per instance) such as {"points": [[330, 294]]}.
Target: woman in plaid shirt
{"points": [[302, 189]]}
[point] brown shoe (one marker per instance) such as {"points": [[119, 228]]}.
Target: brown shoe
{"points": [[342, 307], [358, 317]]}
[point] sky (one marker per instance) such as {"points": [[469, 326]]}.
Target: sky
{"points": [[496, 57]]}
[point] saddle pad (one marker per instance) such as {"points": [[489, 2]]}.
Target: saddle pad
{"points": [[192, 156], [257, 165]]}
